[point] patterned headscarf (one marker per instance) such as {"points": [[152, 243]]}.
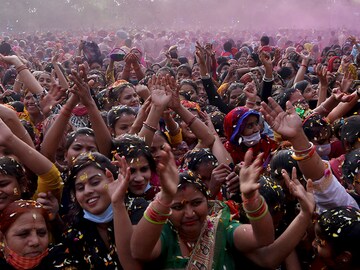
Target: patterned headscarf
{"points": [[234, 123]]}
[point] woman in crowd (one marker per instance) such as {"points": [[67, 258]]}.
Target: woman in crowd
{"points": [[25, 225]]}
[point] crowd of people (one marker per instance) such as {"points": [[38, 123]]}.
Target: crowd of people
{"points": [[132, 149]]}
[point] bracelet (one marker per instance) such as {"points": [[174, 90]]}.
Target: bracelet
{"points": [[157, 199], [191, 121], [303, 151], [261, 215], [256, 210], [305, 156], [254, 197], [250, 102], [302, 65], [151, 128], [177, 127], [158, 212], [18, 81], [153, 221], [21, 68], [268, 79]]}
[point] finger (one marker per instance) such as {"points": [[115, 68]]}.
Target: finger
{"points": [[258, 161], [310, 186], [109, 175], [289, 108], [248, 157], [286, 177], [293, 174]]}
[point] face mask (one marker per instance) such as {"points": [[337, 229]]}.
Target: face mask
{"points": [[250, 140], [105, 217], [323, 150], [23, 263], [134, 82]]}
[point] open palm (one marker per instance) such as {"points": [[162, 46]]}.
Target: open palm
{"points": [[287, 124]]}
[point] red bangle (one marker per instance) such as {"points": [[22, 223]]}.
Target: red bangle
{"points": [[305, 66], [251, 199], [191, 121]]}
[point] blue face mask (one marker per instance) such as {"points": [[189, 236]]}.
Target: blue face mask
{"points": [[105, 217], [134, 82]]}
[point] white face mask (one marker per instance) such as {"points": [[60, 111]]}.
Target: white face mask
{"points": [[323, 150], [250, 140]]}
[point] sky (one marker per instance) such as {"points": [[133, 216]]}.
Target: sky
{"points": [[29, 15]]}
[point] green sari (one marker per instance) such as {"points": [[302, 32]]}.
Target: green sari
{"points": [[213, 249]]}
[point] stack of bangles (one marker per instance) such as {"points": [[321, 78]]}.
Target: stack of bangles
{"points": [[300, 155], [259, 212], [21, 68], [154, 216]]}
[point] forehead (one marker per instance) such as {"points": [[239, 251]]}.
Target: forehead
{"points": [[236, 91], [187, 87], [85, 173], [187, 192], [44, 75], [28, 220], [84, 139], [251, 119], [158, 140], [128, 90], [183, 71], [138, 162]]}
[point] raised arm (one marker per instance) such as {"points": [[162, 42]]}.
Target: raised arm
{"points": [[305, 55], [123, 229], [289, 125], [102, 133], [160, 97], [218, 148], [62, 79], [268, 78], [24, 75], [273, 255], [49, 176], [55, 133], [261, 230], [12, 121], [145, 245], [321, 72], [213, 96], [328, 190]]}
